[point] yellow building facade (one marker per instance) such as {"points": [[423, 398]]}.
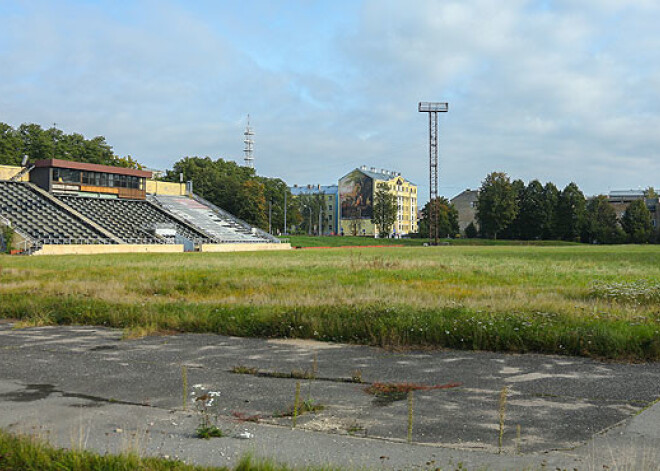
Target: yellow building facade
{"points": [[356, 194], [8, 171]]}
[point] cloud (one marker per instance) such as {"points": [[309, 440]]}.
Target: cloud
{"points": [[554, 90], [541, 93]]}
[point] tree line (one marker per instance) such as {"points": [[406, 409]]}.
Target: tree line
{"points": [[52, 143], [224, 183], [512, 210]]}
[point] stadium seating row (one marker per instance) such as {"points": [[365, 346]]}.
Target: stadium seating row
{"points": [[72, 219]]}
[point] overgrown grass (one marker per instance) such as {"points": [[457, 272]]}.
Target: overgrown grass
{"points": [[348, 241], [26, 453], [501, 298]]}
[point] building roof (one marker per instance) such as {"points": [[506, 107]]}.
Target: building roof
{"points": [[314, 190], [627, 193], [58, 163], [466, 194], [380, 174]]}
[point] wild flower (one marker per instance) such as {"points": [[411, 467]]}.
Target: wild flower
{"points": [[635, 292], [208, 417]]}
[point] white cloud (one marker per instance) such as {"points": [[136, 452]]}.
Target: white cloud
{"points": [[558, 91]]}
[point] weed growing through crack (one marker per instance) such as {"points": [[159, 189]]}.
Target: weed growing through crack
{"points": [[502, 413], [356, 377], [299, 407], [208, 413], [244, 370], [410, 415], [386, 393], [296, 400], [356, 428], [315, 365], [243, 417], [184, 385]]}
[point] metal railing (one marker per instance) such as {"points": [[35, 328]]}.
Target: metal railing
{"points": [[27, 240], [231, 217]]}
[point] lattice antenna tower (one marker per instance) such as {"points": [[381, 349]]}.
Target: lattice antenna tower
{"points": [[433, 109], [248, 140]]}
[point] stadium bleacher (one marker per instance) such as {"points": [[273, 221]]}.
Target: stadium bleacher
{"points": [[34, 215], [80, 204], [132, 220]]}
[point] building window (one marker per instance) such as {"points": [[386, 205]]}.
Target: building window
{"points": [[65, 175]]}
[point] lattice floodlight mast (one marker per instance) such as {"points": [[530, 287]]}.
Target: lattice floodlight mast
{"points": [[248, 150], [433, 108]]}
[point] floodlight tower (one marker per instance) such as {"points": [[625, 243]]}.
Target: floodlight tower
{"points": [[433, 108], [248, 150]]}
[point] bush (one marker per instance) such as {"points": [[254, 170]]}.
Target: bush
{"points": [[471, 231], [7, 235]]}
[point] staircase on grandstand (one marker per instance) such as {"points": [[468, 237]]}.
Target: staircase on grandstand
{"points": [[217, 223]]}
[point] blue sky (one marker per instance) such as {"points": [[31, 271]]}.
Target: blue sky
{"points": [[556, 90]]}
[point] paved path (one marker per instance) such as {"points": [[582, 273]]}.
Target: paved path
{"points": [[78, 385]]}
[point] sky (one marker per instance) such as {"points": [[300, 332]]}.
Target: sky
{"points": [[558, 91]]}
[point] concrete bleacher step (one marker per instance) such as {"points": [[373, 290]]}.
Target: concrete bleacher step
{"points": [[36, 215], [133, 219], [222, 226]]}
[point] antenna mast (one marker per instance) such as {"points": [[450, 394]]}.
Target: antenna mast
{"points": [[248, 150]]}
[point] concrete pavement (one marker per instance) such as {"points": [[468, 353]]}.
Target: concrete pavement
{"points": [[84, 384]]}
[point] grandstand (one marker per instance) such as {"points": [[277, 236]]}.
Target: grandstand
{"points": [[219, 224], [35, 216], [134, 220], [88, 208]]}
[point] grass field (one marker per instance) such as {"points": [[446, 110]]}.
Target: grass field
{"points": [[347, 241], [601, 301], [26, 453]]}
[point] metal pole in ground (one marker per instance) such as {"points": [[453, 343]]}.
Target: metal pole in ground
{"points": [[270, 216]]}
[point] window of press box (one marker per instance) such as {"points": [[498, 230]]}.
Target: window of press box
{"points": [[65, 175]]}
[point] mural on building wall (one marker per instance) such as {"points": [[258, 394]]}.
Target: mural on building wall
{"points": [[355, 193]]}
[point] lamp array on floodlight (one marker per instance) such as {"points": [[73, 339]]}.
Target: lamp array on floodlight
{"points": [[432, 107]]}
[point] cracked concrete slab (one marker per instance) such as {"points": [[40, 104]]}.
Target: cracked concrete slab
{"points": [[556, 403]]}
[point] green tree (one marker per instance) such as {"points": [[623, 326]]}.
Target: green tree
{"points": [[52, 143], [232, 187], [532, 212], [496, 204], [11, 146], [447, 218], [471, 231], [385, 211], [550, 202], [570, 216], [251, 203], [636, 222], [601, 225], [514, 229], [310, 206], [275, 190]]}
